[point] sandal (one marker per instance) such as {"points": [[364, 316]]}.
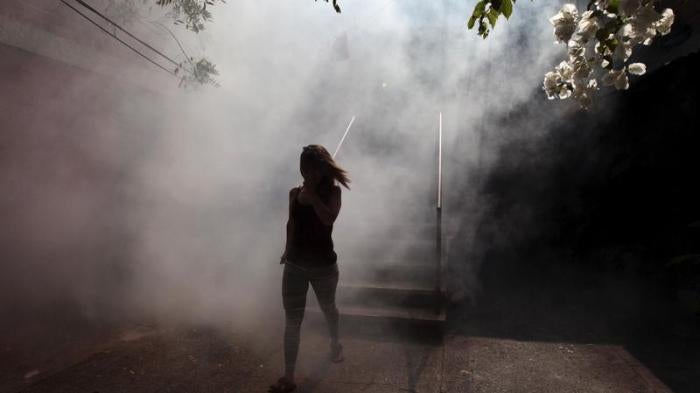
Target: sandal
{"points": [[336, 354], [283, 385]]}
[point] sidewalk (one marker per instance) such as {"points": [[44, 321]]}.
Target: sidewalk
{"points": [[207, 361]]}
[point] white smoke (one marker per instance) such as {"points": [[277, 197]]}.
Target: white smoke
{"points": [[202, 175]]}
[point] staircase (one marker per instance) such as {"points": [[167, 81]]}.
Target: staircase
{"points": [[406, 292], [397, 283]]}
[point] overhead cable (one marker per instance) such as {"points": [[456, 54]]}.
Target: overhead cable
{"points": [[120, 40]]}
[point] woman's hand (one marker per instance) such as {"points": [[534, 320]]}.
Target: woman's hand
{"points": [[327, 211], [308, 195]]}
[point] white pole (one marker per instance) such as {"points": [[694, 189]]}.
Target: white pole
{"points": [[439, 185], [344, 135], [438, 217]]}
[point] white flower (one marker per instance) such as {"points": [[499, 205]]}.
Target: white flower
{"points": [[646, 15], [646, 23], [622, 83], [609, 78], [617, 78], [565, 22], [578, 64], [565, 70], [625, 30], [564, 92], [643, 22], [663, 25], [575, 50], [583, 92], [623, 51], [551, 84], [637, 69], [587, 26], [588, 53], [582, 70], [592, 85]]}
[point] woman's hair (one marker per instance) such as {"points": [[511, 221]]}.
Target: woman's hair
{"points": [[316, 156]]}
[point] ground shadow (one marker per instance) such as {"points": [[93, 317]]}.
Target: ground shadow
{"points": [[572, 305]]}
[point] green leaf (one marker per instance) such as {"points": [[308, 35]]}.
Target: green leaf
{"points": [[506, 8], [611, 44], [492, 15], [613, 6], [471, 22], [477, 14]]}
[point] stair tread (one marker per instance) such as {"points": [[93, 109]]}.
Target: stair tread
{"points": [[390, 275], [390, 312], [402, 286], [423, 278], [389, 263]]}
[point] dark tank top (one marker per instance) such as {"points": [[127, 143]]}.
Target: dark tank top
{"points": [[312, 245]]}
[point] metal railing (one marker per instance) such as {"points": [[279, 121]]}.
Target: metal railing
{"points": [[438, 213]]}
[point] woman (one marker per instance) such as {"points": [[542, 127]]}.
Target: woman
{"points": [[308, 256]]}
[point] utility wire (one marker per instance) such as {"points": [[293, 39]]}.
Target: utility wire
{"points": [[115, 24], [118, 39], [193, 66], [187, 57]]}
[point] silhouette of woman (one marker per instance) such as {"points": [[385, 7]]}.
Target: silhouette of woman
{"points": [[308, 256]]}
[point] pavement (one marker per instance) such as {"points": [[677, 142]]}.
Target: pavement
{"points": [[598, 336], [207, 360]]}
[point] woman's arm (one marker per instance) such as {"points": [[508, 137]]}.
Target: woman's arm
{"points": [[290, 225], [327, 212]]}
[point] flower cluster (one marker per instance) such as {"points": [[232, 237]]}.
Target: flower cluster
{"points": [[599, 44]]}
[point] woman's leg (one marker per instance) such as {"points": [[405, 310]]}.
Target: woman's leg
{"points": [[294, 287], [324, 286]]}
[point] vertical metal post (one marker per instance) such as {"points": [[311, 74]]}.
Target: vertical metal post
{"points": [[438, 212]]}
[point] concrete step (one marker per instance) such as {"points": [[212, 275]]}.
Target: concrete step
{"points": [[373, 305], [388, 294], [388, 244], [395, 313], [363, 319], [421, 233], [413, 274]]}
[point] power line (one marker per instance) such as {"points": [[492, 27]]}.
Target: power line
{"points": [[192, 70], [119, 39], [115, 24]]}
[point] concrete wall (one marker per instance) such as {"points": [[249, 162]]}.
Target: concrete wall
{"points": [[64, 170]]}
